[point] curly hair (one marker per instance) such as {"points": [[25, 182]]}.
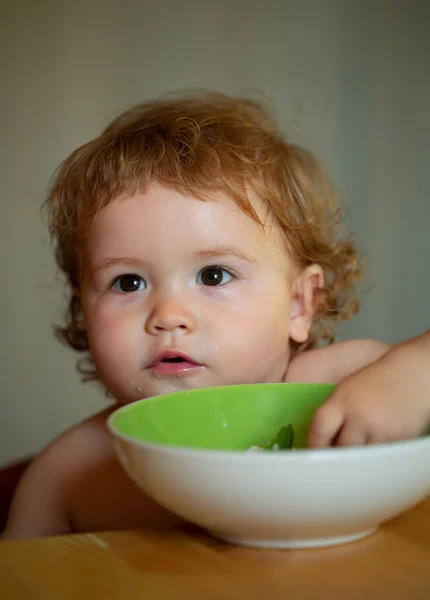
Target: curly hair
{"points": [[201, 145]]}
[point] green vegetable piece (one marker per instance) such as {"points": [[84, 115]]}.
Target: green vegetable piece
{"points": [[284, 440]]}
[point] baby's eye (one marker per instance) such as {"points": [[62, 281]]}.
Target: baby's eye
{"points": [[129, 283], [214, 276]]}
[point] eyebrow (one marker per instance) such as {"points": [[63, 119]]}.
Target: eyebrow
{"points": [[220, 251], [210, 253], [113, 262]]}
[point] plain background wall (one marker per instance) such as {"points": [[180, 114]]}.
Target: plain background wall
{"points": [[349, 78]]}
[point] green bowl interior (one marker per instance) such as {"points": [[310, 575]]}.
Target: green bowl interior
{"points": [[222, 418]]}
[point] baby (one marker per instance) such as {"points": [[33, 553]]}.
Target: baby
{"points": [[200, 248]]}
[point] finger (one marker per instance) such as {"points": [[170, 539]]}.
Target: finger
{"points": [[325, 425], [351, 435]]}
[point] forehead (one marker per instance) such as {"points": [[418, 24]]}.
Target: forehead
{"points": [[161, 219]]}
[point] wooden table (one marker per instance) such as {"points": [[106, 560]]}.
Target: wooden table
{"points": [[392, 564]]}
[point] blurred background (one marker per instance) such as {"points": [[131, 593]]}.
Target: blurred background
{"points": [[349, 78]]}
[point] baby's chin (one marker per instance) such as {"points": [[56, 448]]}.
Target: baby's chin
{"points": [[148, 386], [171, 385], [165, 385]]}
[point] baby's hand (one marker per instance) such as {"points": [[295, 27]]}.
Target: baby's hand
{"points": [[386, 401]]}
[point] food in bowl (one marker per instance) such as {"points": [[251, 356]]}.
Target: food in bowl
{"points": [[283, 440]]}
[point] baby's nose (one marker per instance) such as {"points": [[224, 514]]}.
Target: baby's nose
{"points": [[169, 314]]}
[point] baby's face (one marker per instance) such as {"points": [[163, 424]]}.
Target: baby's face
{"points": [[179, 294]]}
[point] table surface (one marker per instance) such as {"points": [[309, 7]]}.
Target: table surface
{"points": [[393, 563]]}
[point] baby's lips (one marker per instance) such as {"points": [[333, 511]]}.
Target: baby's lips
{"points": [[169, 354]]}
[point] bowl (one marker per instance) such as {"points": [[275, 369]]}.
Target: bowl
{"points": [[188, 451]]}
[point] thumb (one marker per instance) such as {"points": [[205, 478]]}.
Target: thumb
{"points": [[326, 424]]}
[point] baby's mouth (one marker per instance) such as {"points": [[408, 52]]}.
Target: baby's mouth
{"points": [[172, 362], [175, 359]]}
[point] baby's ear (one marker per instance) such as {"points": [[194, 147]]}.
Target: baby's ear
{"points": [[303, 301]]}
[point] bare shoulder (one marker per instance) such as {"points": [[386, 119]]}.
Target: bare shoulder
{"points": [[78, 485], [40, 506], [333, 363]]}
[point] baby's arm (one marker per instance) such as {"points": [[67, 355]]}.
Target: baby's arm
{"points": [[331, 364], [385, 401]]}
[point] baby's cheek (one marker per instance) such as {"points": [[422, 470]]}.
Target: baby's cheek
{"points": [[255, 339], [108, 338]]}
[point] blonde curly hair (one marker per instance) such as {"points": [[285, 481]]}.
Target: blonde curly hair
{"points": [[200, 145]]}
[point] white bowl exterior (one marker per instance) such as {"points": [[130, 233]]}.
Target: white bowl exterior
{"points": [[300, 498]]}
